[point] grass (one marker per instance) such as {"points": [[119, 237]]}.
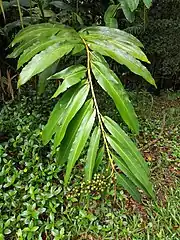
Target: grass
{"points": [[35, 205]]}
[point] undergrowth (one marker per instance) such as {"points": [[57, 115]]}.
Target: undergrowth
{"points": [[35, 205]]}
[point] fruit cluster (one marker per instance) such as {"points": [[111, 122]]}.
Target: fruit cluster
{"points": [[97, 186]]}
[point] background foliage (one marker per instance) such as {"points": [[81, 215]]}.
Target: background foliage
{"points": [[34, 203], [161, 40], [155, 28]]}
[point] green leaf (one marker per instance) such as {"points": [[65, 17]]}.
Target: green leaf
{"points": [[36, 48], [34, 229], [37, 30], [113, 33], [130, 16], [43, 60], [78, 48], [99, 158], [133, 50], [96, 57], [122, 57], [79, 19], [133, 4], [45, 42], [71, 75], [109, 16], [61, 5], [7, 231], [124, 140], [23, 46], [44, 76], [66, 144], [148, 3], [38, 38], [124, 168], [56, 116], [75, 103], [92, 153], [113, 23], [129, 186], [79, 143], [108, 80], [133, 165]]}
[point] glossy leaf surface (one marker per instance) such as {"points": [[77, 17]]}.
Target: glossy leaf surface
{"points": [[129, 186], [92, 153], [122, 57], [133, 165], [67, 142], [112, 85], [40, 62], [107, 32], [79, 143], [125, 140], [71, 75], [76, 102], [56, 116]]}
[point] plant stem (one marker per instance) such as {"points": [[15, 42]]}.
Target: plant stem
{"points": [[20, 14], [40, 8], [96, 106], [2, 10], [30, 3]]}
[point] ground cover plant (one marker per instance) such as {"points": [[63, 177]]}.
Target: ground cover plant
{"points": [[35, 205]]}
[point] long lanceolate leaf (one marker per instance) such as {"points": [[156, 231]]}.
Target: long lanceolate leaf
{"points": [[43, 60], [56, 116], [122, 57], [125, 169], [106, 32], [92, 152], [99, 158], [130, 49], [43, 76], [24, 45], [36, 48], [76, 102], [112, 85], [62, 110], [124, 140], [37, 30], [129, 186], [34, 44], [66, 145], [71, 75], [133, 165], [79, 142], [120, 46]]}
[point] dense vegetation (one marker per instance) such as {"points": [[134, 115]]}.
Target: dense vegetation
{"points": [[34, 202], [70, 133]]}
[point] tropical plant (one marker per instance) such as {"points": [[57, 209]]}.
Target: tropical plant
{"points": [[128, 7], [71, 122]]}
